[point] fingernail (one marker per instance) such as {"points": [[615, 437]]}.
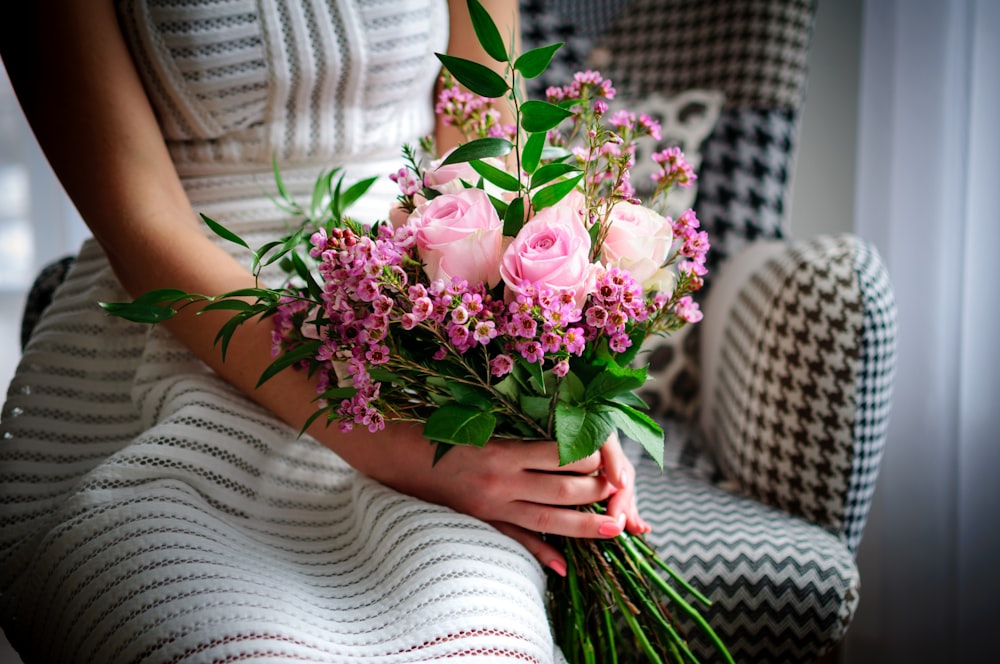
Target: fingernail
{"points": [[612, 528], [558, 567], [621, 479]]}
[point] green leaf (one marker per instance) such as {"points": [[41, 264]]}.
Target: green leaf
{"points": [[259, 255], [532, 63], [225, 333], [263, 294], [320, 191], [499, 206], [227, 305], [278, 182], [440, 449], [500, 178], [166, 295], [306, 351], [572, 388], [594, 232], [532, 152], [550, 172], [513, 219], [537, 408], [469, 395], [641, 428], [554, 193], [580, 430], [481, 148], [537, 116], [555, 153], [301, 269], [147, 314], [224, 232], [382, 375], [486, 32], [613, 381], [478, 78], [630, 399], [534, 370], [509, 388], [338, 393], [460, 425], [353, 193]]}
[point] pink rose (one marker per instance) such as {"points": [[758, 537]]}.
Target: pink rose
{"points": [[639, 240], [459, 235], [551, 250], [448, 179]]}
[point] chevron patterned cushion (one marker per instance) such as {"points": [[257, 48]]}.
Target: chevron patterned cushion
{"points": [[801, 390], [783, 589]]}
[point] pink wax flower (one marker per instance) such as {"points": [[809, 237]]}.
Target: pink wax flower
{"points": [[551, 251], [459, 235]]}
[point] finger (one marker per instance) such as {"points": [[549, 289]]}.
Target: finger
{"points": [[585, 466], [545, 553], [623, 503], [548, 488], [614, 460], [544, 455], [564, 521]]}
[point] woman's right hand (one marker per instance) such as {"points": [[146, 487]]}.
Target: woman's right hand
{"points": [[519, 487]]}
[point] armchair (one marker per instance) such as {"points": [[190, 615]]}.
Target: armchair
{"points": [[776, 405]]}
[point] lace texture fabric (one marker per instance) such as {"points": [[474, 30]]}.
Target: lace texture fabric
{"points": [[150, 512]]}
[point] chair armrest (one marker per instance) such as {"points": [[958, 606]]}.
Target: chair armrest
{"points": [[798, 359]]}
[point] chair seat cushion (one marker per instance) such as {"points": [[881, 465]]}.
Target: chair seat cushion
{"points": [[784, 590]]}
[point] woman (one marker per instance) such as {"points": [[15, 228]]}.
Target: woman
{"points": [[157, 506]]}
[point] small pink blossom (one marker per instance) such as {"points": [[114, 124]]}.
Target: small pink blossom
{"points": [[687, 310], [501, 365]]}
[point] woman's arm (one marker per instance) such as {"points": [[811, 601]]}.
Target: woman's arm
{"points": [[463, 43], [83, 98]]}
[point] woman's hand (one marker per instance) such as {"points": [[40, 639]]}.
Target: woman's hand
{"points": [[519, 487]]}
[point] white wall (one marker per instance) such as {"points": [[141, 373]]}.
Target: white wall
{"points": [[823, 180]]}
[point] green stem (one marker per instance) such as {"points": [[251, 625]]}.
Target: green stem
{"points": [[640, 636], [655, 612], [609, 627], [650, 554], [672, 594]]}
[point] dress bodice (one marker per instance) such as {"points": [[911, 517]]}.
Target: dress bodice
{"points": [[236, 83]]}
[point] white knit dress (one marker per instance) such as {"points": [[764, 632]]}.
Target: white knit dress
{"points": [[150, 512]]}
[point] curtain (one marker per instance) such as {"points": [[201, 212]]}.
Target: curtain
{"points": [[928, 196]]}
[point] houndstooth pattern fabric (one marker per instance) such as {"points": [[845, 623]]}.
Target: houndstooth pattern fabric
{"points": [[782, 589], [874, 383], [744, 178], [542, 25], [753, 50], [783, 426]]}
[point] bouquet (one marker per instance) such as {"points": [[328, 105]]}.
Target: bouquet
{"points": [[506, 297]]}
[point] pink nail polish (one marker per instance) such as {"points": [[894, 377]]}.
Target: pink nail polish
{"points": [[558, 567], [610, 528]]}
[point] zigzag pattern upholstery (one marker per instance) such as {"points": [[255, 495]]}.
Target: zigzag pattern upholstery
{"points": [[781, 587]]}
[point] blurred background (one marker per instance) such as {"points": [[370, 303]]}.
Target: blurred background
{"points": [[901, 145]]}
